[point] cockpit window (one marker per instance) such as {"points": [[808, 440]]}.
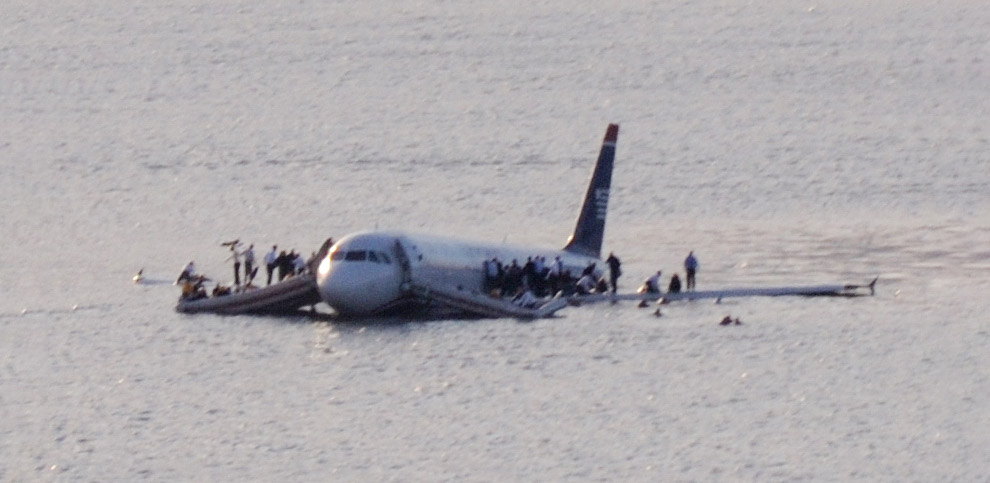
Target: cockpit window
{"points": [[360, 256], [356, 256]]}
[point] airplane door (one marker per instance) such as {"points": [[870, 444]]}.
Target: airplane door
{"points": [[404, 266]]}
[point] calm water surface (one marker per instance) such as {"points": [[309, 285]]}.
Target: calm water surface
{"points": [[784, 143]]}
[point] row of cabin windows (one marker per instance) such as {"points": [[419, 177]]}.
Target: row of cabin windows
{"points": [[361, 256]]}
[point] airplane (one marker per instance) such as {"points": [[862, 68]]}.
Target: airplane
{"points": [[387, 272], [392, 272]]}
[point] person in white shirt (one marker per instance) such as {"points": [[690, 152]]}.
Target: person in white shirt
{"points": [[248, 264], [270, 262], [187, 273], [298, 264], [652, 284], [236, 257]]}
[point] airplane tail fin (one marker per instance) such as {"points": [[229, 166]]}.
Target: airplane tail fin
{"points": [[590, 228]]}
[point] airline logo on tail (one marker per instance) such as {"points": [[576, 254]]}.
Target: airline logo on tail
{"points": [[601, 203]]}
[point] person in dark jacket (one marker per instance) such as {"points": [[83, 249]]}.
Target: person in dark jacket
{"points": [[613, 270], [675, 284], [284, 264], [691, 267]]}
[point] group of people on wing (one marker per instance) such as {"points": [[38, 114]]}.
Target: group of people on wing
{"points": [[652, 284], [283, 264], [192, 283], [541, 278], [538, 278], [536, 275], [278, 264]]}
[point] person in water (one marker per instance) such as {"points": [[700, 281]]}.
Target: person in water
{"points": [[728, 321]]}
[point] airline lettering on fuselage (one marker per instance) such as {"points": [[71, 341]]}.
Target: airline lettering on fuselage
{"points": [[601, 203]]}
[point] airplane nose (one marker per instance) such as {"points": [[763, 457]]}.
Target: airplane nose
{"points": [[355, 288]]}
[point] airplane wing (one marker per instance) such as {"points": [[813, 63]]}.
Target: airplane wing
{"points": [[837, 290]]}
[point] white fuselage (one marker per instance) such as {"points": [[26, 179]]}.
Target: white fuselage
{"points": [[370, 273]]}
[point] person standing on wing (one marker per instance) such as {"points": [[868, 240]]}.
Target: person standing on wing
{"points": [[675, 285], [691, 267], [248, 264], [270, 262], [236, 257], [613, 270]]}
